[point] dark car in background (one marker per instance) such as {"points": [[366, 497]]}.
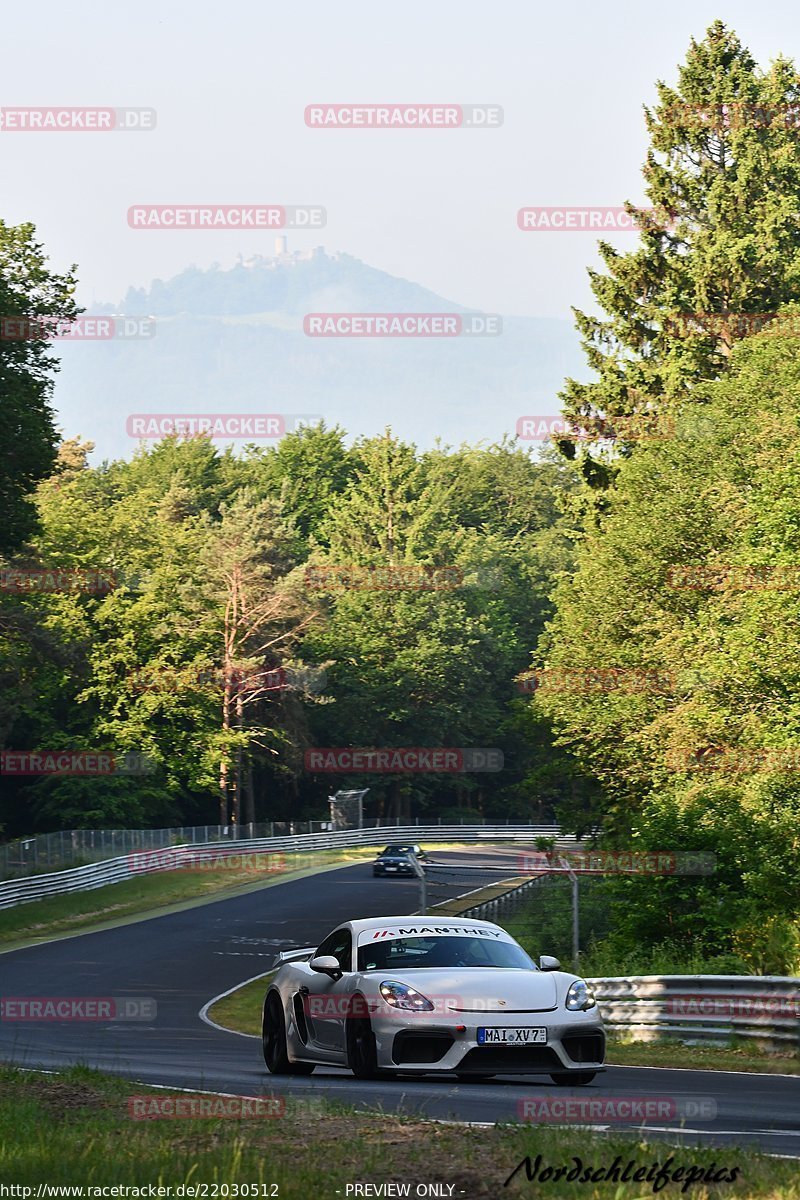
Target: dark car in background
{"points": [[396, 859]]}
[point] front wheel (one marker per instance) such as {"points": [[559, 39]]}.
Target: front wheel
{"points": [[362, 1050], [273, 1040], [574, 1078]]}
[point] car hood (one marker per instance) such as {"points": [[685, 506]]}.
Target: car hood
{"points": [[478, 989]]}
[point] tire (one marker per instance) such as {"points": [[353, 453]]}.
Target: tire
{"points": [[574, 1078], [273, 1041], [362, 1052]]}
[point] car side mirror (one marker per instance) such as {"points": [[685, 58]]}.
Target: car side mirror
{"points": [[326, 964], [546, 963]]}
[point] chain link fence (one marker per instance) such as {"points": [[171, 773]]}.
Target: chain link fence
{"points": [[540, 915]]}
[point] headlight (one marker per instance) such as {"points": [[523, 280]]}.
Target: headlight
{"points": [[580, 995], [400, 995]]}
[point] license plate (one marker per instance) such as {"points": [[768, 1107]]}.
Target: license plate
{"points": [[390, 868], [513, 1036]]}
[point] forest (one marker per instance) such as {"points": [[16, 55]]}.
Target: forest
{"points": [[617, 616]]}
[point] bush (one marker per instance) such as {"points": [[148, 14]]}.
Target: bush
{"points": [[769, 946]]}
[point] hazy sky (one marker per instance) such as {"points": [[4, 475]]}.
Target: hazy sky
{"points": [[230, 83]]}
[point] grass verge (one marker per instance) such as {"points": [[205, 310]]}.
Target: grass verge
{"points": [[241, 1011], [669, 1053], [74, 1129]]}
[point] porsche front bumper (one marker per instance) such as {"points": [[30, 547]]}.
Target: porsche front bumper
{"points": [[574, 1043]]}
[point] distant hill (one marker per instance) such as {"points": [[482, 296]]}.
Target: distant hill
{"points": [[232, 341]]}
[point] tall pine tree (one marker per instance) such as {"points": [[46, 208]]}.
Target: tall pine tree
{"points": [[723, 176]]}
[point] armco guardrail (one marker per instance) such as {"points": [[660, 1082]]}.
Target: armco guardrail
{"points": [[129, 866], [710, 1008], [65, 848]]}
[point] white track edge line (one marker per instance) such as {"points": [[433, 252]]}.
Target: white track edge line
{"points": [[203, 1013]]}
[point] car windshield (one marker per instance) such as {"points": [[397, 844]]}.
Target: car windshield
{"points": [[398, 850], [405, 953]]}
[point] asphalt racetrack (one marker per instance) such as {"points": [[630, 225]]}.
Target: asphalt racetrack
{"points": [[184, 959]]}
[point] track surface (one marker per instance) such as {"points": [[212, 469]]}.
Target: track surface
{"points": [[184, 959]]}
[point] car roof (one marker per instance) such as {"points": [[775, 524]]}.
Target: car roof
{"points": [[409, 921]]}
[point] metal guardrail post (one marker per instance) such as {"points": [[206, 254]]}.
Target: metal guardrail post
{"points": [[576, 931], [419, 870]]}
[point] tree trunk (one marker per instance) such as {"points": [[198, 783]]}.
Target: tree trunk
{"points": [[228, 653], [249, 796]]}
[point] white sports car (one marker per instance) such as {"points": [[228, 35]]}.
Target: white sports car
{"points": [[429, 994]]}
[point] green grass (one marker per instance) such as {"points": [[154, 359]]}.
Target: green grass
{"points": [[241, 1011], [74, 1129], [668, 1052]]}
